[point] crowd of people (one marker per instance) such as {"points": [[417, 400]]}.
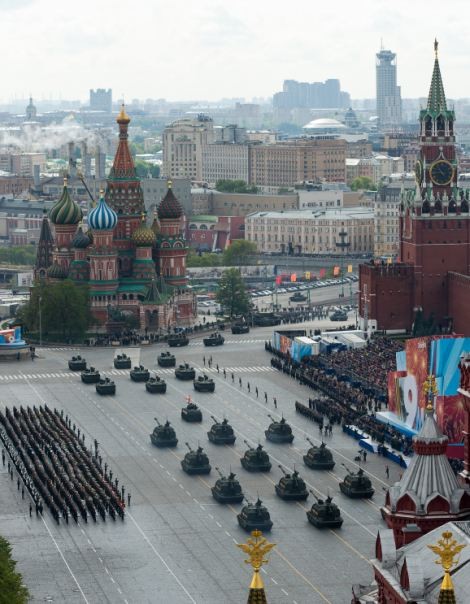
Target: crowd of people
{"points": [[53, 465]]}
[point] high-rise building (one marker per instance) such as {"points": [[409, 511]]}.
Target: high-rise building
{"points": [[101, 99], [314, 95], [183, 141], [388, 93], [225, 161]]}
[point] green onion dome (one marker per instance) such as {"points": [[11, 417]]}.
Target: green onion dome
{"points": [[55, 271], [65, 211], [143, 236], [81, 239]]}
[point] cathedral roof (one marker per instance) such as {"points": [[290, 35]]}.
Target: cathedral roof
{"points": [[81, 239], [170, 207], [429, 473], [143, 236], [65, 211], [56, 271], [123, 166], [102, 217], [437, 97]]}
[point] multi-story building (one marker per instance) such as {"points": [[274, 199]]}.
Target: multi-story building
{"points": [[311, 232], [311, 95], [388, 93], [368, 167], [101, 99], [225, 161], [21, 215], [22, 164], [298, 160], [14, 185], [183, 141], [241, 204]]}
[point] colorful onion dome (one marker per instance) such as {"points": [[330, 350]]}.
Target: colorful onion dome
{"points": [[143, 236], [65, 211], [102, 217], [170, 207], [56, 271], [123, 118], [81, 239]]}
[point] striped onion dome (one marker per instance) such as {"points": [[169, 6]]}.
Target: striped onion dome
{"points": [[65, 211], [169, 208], [102, 217], [81, 239], [56, 271], [143, 236]]}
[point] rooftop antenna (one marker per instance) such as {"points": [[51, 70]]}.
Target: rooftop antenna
{"points": [[381, 43]]}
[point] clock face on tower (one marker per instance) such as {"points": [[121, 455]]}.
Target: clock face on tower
{"points": [[441, 172]]}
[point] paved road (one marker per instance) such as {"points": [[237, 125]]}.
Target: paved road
{"points": [[176, 542]]}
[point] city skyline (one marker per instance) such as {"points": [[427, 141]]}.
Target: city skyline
{"points": [[181, 52]]}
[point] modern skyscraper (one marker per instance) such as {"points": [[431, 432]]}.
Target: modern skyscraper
{"points": [[101, 99], [388, 93]]}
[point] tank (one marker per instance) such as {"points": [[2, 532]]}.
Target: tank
{"points": [[156, 385], [185, 372], [90, 376], [291, 487], [163, 435], [227, 489], [240, 327], [166, 359], [77, 363], [356, 485], [279, 431], [105, 386], [319, 458], [140, 374], [255, 460], [178, 339], [195, 462], [215, 339], [221, 433], [255, 516], [122, 361], [298, 297], [204, 384], [191, 413], [324, 514]]}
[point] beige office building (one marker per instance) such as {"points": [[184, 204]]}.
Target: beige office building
{"points": [[290, 162], [311, 232], [183, 141], [225, 161]]}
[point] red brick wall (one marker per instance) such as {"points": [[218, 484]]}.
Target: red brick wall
{"points": [[459, 302]]}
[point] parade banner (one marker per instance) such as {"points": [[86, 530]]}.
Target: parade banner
{"points": [[350, 268], [322, 272], [336, 271]]}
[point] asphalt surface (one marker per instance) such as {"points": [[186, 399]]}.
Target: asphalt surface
{"points": [[176, 543]]}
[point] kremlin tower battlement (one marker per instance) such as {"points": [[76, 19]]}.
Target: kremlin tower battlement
{"points": [[129, 267]]}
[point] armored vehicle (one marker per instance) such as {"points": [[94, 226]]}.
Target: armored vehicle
{"points": [[255, 516], [156, 385], [140, 374], [291, 487], [77, 363], [105, 386], [255, 460], [215, 339], [298, 297], [122, 361], [221, 433], [178, 339], [185, 372], [90, 376], [191, 413], [339, 315], [279, 431], [166, 359], [204, 384], [356, 485], [240, 327], [324, 514], [319, 458], [163, 435], [195, 462], [227, 489]]}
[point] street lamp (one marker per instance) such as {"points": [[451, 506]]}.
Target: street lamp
{"points": [[343, 246]]}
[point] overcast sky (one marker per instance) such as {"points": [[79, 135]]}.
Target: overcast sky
{"points": [[211, 49]]}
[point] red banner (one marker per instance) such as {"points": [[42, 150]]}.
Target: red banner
{"points": [[322, 272]]}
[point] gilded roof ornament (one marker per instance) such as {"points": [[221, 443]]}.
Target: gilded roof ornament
{"points": [[448, 551], [256, 547]]}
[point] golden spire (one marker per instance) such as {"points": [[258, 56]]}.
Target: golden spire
{"points": [[447, 549], [142, 217], [169, 183], [123, 117], [65, 181], [256, 547], [430, 390], [436, 47]]}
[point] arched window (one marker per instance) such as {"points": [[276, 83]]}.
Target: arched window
{"points": [[192, 226], [203, 227]]}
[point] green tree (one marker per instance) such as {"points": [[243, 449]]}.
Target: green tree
{"points": [[363, 183], [239, 252], [12, 590], [232, 294], [195, 260], [235, 186], [64, 308], [146, 170], [23, 255]]}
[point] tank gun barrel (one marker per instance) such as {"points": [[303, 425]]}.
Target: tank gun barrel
{"points": [[317, 498], [187, 444], [248, 445], [215, 419], [156, 419], [282, 470], [219, 472], [347, 469], [309, 441], [271, 418]]}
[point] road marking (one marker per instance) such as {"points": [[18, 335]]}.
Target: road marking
{"points": [[274, 580]]}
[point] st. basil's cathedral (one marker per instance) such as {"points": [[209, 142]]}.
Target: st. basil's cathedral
{"points": [[129, 267]]}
